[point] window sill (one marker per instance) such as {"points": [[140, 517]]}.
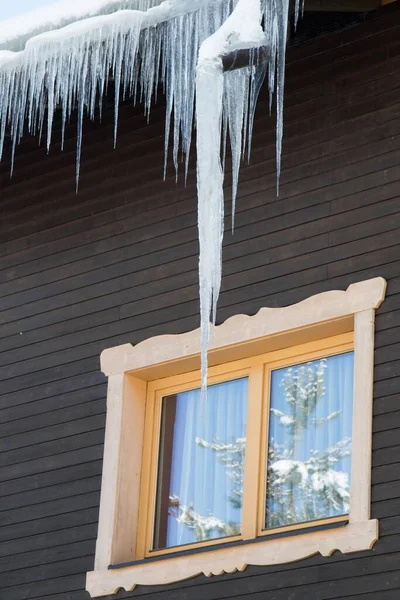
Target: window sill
{"points": [[353, 537]]}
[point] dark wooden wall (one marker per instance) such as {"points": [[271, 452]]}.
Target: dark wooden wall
{"points": [[118, 263]]}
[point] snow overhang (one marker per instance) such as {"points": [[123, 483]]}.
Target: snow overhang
{"points": [[132, 45], [17, 31]]}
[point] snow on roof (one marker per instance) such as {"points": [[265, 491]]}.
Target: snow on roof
{"points": [[15, 32], [70, 66]]}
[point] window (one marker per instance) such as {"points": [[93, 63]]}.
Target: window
{"points": [[204, 470], [201, 465], [274, 469]]}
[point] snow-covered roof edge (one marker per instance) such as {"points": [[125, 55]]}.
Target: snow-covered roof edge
{"points": [[16, 31]]}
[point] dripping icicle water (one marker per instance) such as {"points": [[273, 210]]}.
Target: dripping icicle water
{"points": [[155, 42]]}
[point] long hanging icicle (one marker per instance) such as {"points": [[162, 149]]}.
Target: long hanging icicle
{"points": [[276, 15], [241, 30], [225, 99]]}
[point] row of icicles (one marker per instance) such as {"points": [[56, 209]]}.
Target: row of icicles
{"points": [[64, 72]]}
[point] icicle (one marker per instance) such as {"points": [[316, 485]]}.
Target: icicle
{"points": [[259, 69], [210, 197], [182, 39], [242, 29], [299, 7], [235, 103], [281, 33]]}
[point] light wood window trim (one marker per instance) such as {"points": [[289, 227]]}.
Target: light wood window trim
{"points": [[131, 370]]}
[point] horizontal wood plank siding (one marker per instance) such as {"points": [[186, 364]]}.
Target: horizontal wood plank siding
{"points": [[117, 263]]}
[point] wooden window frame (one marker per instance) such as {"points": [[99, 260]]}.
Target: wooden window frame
{"points": [[258, 369], [321, 324]]}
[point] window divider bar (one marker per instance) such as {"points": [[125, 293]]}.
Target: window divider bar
{"points": [[265, 417], [253, 453]]}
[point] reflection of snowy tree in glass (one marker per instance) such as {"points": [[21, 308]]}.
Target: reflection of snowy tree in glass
{"points": [[230, 454], [298, 490], [305, 490]]}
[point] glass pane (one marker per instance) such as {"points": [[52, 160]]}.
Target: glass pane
{"points": [[309, 456], [201, 465]]}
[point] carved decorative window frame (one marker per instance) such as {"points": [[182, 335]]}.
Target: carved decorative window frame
{"points": [[130, 369]]}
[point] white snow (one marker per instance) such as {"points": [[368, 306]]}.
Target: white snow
{"points": [[16, 31], [335, 486], [337, 480], [286, 420], [153, 42], [286, 468], [7, 57]]}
